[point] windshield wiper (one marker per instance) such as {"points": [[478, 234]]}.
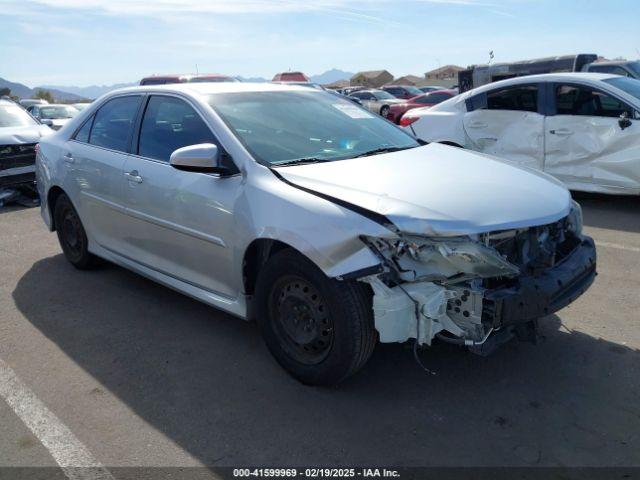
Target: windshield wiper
{"points": [[376, 151], [300, 161]]}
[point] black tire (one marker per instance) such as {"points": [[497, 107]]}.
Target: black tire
{"points": [[384, 110], [293, 295], [71, 235]]}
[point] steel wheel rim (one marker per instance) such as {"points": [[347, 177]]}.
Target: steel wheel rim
{"points": [[72, 233], [301, 320]]}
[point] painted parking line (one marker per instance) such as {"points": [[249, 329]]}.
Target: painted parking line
{"points": [[618, 246], [70, 454]]}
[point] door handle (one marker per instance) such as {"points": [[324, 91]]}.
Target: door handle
{"points": [[561, 131], [68, 158], [477, 125], [133, 176]]}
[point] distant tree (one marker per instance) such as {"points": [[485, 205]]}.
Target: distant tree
{"points": [[45, 95], [5, 91]]}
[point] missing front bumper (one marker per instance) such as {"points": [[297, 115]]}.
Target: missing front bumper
{"points": [[546, 293], [422, 310]]}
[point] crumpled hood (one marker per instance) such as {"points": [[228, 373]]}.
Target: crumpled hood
{"points": [[18, 135], [439, 190]]}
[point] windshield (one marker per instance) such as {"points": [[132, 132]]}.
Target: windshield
{"points": [[284, 127], [626, 84], [55, 112], [14, 116]]}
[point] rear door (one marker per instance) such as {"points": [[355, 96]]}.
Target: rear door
{"points": [[95, 158], [586, 145], [179, 223], [508, 123]]}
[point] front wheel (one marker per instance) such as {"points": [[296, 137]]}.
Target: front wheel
{"points": [[71, 234], [384, 111], [319, 329]]}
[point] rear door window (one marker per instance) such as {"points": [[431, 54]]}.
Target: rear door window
{"points": [[170, 123], [113, 123], [520, 98], [579, 100]]}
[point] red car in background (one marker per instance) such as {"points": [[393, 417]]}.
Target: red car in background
{"points": [[425, 100], [290, 77]]}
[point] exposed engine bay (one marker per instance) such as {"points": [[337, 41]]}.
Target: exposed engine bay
{"points": [[471, 289]]}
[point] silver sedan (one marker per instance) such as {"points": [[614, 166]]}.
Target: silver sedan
{"points": [[331, 227], [376, 101]]}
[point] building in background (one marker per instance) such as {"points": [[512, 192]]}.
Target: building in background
{"points": [[446, 76], [411, 80], [371, 78], [339, 84]]}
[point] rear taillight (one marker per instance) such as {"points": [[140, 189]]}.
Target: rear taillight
{"points": [[405, 121]]}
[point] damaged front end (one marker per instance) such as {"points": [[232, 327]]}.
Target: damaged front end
{"points": [[17, 174], [479, 290]]}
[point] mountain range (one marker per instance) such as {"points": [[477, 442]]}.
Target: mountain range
{"points": [[64, 93]]}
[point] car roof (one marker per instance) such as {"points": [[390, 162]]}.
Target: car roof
{"points": [[208, 88], [545, 77]]}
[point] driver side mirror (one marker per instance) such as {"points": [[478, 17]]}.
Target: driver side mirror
{"points": [[624, 121], [203, 158]]}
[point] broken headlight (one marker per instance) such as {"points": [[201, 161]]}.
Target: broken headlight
{"points": [[441, 259], [574, 220]]}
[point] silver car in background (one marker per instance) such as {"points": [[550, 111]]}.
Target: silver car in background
{"points": [[53, 115], [376, 101], [331, 227]]}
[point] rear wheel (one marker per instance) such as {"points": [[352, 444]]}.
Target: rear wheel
{"points": [[319, 329], [384, 111], [71, 234]]}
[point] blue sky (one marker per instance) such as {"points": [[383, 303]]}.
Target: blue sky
{"points": [[84, 42]]}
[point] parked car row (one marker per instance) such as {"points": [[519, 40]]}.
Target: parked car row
{"points": [[393, 102]]}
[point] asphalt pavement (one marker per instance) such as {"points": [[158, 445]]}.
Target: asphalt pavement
{"points": [[131, 373]]}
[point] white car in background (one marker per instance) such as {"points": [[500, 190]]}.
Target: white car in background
{"points": [[582, 128]]}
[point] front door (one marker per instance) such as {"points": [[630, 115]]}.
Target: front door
{"points": [[179, 223], [586, 143], [509, 126]]}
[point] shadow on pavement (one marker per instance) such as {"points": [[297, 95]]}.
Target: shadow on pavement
{"points": [[205, 380], [613, 212]]}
